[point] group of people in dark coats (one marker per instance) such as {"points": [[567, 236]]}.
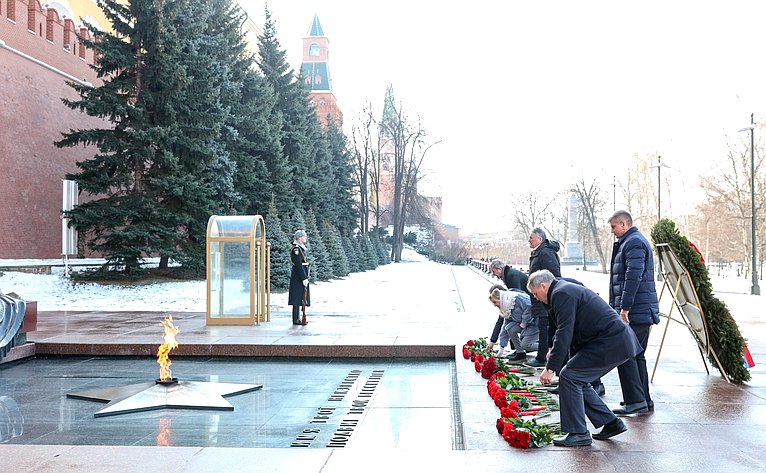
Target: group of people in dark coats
{"points": [[583, 337]]}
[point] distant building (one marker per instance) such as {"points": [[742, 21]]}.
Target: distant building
{"points": [[446, 235], [315, 71]]}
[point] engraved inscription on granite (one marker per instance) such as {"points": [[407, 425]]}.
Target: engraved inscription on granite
{"points": [[334, 423]]}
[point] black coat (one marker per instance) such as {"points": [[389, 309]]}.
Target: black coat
{"points": [[588, 327], [544, 256], [299, 272], [632, 280], [515, 279]]}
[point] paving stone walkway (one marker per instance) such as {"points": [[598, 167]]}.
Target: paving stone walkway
{"points": [[428, 410]]}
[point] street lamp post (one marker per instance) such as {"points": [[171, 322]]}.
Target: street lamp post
{"points": [[755, 289], [659, 167]]}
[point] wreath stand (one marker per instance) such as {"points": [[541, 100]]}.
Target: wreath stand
{"points": [[680, 288]]}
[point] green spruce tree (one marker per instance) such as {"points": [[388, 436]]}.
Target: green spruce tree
{"points": [[292, 107], [351, 254], [162, 166], [344, 210], [124, 220], [361, 257], [370, 255], [280, 249], [321, 264], [383, 253], [338, 258], [210, 47]]}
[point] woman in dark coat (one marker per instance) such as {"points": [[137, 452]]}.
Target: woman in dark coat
{"points": [[299, 276]]}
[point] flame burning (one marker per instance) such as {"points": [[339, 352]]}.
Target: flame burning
{"points": [[169, 343]]}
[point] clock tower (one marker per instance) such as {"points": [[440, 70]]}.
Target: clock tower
{"points": [[315, 71]]}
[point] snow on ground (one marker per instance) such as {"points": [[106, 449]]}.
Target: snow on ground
{"points": [[56, 292]]}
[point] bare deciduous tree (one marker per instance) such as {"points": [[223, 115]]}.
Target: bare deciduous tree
{"points": [[540, 210], [409, 149], [725, 213], [592, 206], [364, 158], [639, 190]]}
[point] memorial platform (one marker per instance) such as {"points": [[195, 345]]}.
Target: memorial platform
{"points": [[428, 409]]}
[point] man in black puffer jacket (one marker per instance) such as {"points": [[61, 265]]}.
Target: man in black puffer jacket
{"points": [[544, 256], [633, 295]]}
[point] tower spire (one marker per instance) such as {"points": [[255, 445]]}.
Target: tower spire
{"points": [[315, 71]]}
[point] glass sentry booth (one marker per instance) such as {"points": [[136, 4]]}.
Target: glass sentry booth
{"points": [[238, 281]]}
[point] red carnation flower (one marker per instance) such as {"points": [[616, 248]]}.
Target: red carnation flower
{"points": [[466, 353], [500, 398], [519, 439], [508, 431], [500, 426], [469, 343], [477, 365], [480, 358], [508, 413], [488, 368]]}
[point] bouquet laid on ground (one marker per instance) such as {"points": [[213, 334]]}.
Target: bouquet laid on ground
{"points": [[520, 401]]}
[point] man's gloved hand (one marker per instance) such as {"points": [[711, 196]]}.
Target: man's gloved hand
{"points": [[305, 283]]}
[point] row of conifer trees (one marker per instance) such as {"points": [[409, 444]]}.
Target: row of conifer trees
{"points": [[331, 254], [194, 124]]}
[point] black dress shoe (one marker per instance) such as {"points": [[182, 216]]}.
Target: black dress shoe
{"points": [[573, 440], [535, 363], [518, 356], [631, 408], [649, 405], [611, 429], [600, 389]]}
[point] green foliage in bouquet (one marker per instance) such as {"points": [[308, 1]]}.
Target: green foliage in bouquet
{"points": [[540, 434], [723, 332]]}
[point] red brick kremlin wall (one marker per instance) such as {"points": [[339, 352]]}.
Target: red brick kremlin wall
{"points": [[32, 117]]}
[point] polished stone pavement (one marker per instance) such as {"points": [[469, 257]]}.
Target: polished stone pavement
{"points": [[429, 409]]}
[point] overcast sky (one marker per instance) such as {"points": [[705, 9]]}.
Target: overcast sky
{"points": [[532, 95]]}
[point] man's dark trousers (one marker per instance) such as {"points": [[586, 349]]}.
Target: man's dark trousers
{"points": [[636, 389]]}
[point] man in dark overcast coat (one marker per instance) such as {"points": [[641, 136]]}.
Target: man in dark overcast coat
{"points": [[512, 278], [596, 340]]}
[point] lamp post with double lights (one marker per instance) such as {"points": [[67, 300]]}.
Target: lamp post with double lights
{"points": [[755, 289]]}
